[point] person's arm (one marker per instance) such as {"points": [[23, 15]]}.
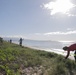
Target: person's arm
{"points": [[68, 52]]}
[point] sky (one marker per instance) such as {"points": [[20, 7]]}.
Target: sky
{"points": [[38, 19]]}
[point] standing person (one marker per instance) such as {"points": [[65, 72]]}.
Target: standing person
{"points": [[20, 41], [70, 48], [1, 40], [10, 41]]}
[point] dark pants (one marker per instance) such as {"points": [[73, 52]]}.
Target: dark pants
{"points": [[75, 55], [75, 58]]}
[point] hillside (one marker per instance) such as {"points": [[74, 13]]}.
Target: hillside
{"points": [[16, 60]]}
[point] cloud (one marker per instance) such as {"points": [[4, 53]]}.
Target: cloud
{"points": [[60, 6], [60, 33], [68, 35]]}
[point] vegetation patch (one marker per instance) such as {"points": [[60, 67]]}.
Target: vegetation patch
{"points": [[19, 60]]}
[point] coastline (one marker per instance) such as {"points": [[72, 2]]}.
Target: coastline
{"points": [[62, 52], [58, 51]]}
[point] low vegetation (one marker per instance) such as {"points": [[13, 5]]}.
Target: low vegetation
{"points": [[16, 60]]}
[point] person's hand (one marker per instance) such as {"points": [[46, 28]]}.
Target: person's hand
{"points": [[65, 57]]}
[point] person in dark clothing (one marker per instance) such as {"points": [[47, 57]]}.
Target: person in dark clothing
{"points": [[20, 41], [10, 41]]}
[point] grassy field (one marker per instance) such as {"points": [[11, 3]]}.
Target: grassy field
{"points": [[16, 60]]}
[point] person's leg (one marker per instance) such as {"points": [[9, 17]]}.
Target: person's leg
{"points": [[75, 58], [75, 55]]}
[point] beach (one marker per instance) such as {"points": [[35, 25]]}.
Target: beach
{"points": [[58, 51]]}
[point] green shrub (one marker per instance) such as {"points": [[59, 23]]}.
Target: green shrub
{"points": [[12, 56]]}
